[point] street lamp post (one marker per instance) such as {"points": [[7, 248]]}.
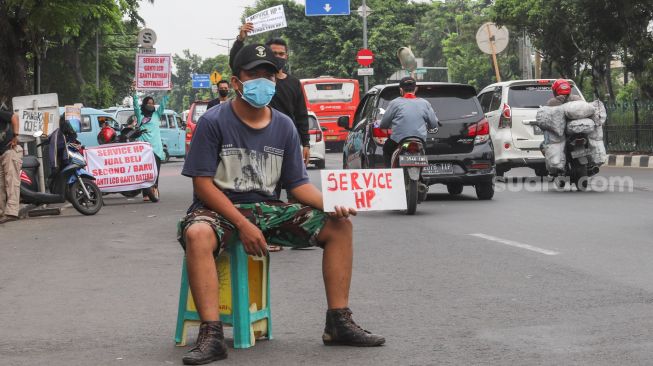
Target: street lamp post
{"points": [[365, 78]]}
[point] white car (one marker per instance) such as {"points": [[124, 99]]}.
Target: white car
{"points": [[510, 107], [318, 149]]}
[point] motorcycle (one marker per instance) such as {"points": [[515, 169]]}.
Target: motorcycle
{"points": [[411, 157], [127, 134], [71, 182], [578, 167]]}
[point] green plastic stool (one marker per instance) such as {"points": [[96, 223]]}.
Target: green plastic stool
{"points": [[242, 318]]}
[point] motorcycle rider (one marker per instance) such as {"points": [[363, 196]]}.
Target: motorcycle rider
{"points": [[407, 116], [561, 89]]}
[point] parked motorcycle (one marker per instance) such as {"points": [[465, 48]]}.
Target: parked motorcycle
{"points": [[128, 134], [411, 157], [70, 182]]}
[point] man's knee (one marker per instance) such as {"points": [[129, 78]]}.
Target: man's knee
{"points": [[338, 228], [200, 237]]}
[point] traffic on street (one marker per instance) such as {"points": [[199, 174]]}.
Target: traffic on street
{"points": [[352, 182]]}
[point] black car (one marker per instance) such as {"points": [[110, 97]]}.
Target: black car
{"points": [[460, 151]]}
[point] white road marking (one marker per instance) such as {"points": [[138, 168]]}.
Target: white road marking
{"points": [[515, 244]]}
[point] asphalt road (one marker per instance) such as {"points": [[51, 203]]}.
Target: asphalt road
{"points": [[533, 277]]}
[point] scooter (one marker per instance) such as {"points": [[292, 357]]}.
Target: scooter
{"points": [[129, 134], [71, 183], [578, 167], [411, 157]]}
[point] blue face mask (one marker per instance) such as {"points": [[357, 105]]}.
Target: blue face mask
{"points": [[258, 92]]}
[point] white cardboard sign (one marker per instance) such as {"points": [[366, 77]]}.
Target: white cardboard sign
{"points": [[29, 122], [153, 72], [364, 189], [122, 167], [267, 20]]}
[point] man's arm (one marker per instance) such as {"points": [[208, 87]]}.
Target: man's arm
{"points": [[386, 121], [309, 195], [14, 128], [214, 199], [239, 43], [431, 118]]}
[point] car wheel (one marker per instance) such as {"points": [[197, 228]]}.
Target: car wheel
{"points": [[501, 171], [454, 188], [166, 156], [320, 164], [541, 171], [485, 191], [344, 162]]}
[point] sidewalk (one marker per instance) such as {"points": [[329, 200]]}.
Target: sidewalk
{"points": [[632, 161]]}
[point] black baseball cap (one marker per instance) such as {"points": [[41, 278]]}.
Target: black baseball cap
{"points": [[407, 82], [254, 55]]}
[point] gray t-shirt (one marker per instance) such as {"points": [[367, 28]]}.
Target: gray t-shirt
{"points": [[245, 163]]}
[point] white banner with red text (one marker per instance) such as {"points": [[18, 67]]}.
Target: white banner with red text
{"points": [[364, 189], [122, 167]]}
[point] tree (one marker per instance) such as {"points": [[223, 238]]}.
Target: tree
{"points": [[188, 64], [32, 30]]}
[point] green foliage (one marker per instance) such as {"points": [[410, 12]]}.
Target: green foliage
{"points": [[188, 64]]}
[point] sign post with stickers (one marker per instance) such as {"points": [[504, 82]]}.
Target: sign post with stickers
{"points": [[38, 115]]}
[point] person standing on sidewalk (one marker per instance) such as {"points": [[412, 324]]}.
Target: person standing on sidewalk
{"points": [[11, 160]]}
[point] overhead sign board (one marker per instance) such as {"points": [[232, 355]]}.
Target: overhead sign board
{"points": [[201, 81], [364, 189], [267, 20], [153, 72], [326, 7]]}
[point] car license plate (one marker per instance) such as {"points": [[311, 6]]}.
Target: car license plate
{"points": [[438, 169], [413, 160], [537, 130], [578, 153], [332, 137]]}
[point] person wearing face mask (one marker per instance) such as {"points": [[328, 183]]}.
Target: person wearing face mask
{"points": [[289, 97], [148, 119], [223, 94], [240, 151]]}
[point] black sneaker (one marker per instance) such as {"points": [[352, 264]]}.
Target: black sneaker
{"points": [[341, 329], [210, 345]]}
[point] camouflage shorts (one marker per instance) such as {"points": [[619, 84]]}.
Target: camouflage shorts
{"points": [[286, 224]]}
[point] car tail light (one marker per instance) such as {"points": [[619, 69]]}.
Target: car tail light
{"points": [[25, 178], [505, 120], [480, 166], [317, 133], [380, 135], [479, 131], [189, 133], [544, 81]]}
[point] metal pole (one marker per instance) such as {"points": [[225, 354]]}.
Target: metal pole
{"points": [[97, 58], [38, 74], [39, 153], [365, 78]]}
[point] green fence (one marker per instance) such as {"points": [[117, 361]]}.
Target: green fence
{"points": [[629, 127]]}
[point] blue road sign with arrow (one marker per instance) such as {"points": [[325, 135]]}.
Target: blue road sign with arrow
{"points": [[201, 81], [327, 7]]}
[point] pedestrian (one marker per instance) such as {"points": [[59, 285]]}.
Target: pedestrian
{"points": [[223, 94], [407, 116], [11, 161], [148, 119], [288, 98], [240, 151]]}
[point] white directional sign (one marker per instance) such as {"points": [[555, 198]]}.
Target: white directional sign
{"points": [[367, 71]]}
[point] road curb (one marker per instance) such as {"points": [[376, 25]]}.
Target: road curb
{"points": [[630, 161]]}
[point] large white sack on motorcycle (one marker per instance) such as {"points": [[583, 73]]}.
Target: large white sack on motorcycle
{"points": [[598, 155], [597, 134], [580, 126], [554, 157], [551, 119], [578, 110], [600, 114]]}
